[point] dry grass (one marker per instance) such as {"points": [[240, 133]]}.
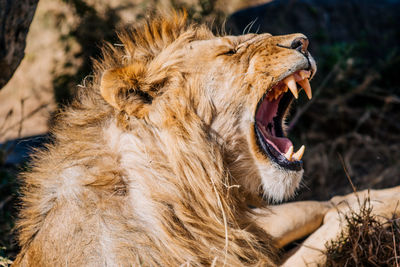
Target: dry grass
{"points": [[367, 241], [4, 261]]}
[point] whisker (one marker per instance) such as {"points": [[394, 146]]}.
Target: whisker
{"points": [[248, 27], [245, 30]]}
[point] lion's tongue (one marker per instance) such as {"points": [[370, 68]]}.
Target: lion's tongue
{"points": [[281, 144]]}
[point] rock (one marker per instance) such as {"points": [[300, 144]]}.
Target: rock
{"points": [[15, 18], [18, 151]]}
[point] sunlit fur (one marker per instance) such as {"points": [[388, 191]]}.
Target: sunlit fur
{"points": [[155, 161]]}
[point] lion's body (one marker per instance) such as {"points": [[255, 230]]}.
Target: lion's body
{"points": [[110, 198], [161, 181]]}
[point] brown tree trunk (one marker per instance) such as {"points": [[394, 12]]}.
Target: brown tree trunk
{"points": [[15, 18]]}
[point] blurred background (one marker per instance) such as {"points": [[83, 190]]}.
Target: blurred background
{"points": [[351, 127]]}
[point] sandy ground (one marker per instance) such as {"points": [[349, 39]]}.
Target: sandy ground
{"points": [[26, 102]]}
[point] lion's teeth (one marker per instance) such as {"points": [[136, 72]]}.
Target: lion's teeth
{"points": [[289, 154], [304, 74], [306, 86], [299, 154], [285, 88], [291, 83]]}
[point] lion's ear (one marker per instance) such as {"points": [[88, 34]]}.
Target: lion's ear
{"points": [[125, 90], [109, 87]]}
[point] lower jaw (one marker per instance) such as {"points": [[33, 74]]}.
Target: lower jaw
{"points": [[274, 155]]}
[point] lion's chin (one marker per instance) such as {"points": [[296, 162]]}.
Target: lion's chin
{"points": [[278, 184]]}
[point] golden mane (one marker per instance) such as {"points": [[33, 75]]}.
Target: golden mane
{"points": [[144, 42]]}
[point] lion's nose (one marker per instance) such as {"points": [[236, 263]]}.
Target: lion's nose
{"points": [[300, 44]]}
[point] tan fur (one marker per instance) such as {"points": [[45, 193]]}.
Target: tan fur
{"points": [[155, 161]]}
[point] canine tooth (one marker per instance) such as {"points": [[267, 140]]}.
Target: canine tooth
{"points": [[291, 83], [289, 154], [299, 154], [306, 86]]}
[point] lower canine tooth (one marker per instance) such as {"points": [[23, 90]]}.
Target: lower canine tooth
{"points": [[299, 154], [289, 154]]}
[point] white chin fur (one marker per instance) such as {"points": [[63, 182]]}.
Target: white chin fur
{"points": [[278, 184]]}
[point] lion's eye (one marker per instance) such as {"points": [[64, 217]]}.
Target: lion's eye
{"points": [[229, 52]]}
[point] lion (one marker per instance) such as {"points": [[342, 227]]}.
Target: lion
{"points": [[170, 154]]}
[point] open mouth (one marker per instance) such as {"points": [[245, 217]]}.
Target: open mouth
{"points": [[270, 115]]}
